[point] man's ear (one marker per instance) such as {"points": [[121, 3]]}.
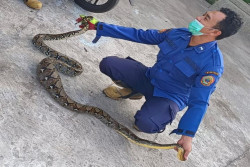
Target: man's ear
{"points": [[216, 33]]}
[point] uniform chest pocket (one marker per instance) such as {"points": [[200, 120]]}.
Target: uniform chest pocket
{"points": [[167, 46], [185, 68], [184, 73]]}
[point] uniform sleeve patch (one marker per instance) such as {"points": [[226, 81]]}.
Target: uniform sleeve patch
{"points": [[212, 72], [207, 80]]}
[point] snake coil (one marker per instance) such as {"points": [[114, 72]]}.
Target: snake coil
{"points": [[47, 73]]}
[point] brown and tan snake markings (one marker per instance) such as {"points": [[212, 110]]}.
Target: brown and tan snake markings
{"points": [[47, 73]]}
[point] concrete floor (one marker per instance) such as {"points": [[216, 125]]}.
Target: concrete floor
{"points": [[35, 131]]}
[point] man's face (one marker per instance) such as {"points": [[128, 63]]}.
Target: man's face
{"points": [[209, 20]]}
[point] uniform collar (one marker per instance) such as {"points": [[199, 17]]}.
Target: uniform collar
{"points": [[203, 47], [199, 48], [186, 36]]}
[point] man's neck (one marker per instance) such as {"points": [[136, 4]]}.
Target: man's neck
{"points": [[197, 40]]}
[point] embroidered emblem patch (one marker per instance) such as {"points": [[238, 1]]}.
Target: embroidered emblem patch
{"points": [[207, 80], [212, 72]]}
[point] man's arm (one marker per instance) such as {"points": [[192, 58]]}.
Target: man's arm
{"points": [[153, 37], [198, 101], [197, 105]]}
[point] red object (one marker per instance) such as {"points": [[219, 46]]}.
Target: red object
{"points": [[83, 23], [79, 20], [91, 26]]}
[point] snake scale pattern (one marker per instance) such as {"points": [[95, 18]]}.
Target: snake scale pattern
{"points": [[47, 73]]}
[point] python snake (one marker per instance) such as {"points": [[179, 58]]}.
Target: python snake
{"points": [[47, 73]]}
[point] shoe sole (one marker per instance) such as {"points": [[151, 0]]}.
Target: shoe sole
{"points": [[119, 98]]}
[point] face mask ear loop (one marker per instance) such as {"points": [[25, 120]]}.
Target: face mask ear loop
{"points": [[209, 29]]}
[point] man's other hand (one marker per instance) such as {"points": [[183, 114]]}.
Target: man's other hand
{"points": [[186, 143]]}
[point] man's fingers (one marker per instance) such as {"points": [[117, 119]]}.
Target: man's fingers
{"points": [[186, 153], [175, 148]]}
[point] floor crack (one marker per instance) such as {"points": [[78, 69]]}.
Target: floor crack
{"points": [[238, 158]]}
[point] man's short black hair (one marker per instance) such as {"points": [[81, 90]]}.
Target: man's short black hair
{"points": [[230, 25]]}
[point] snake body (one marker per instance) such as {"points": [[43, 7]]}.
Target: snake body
{"points": [[47, 73]]}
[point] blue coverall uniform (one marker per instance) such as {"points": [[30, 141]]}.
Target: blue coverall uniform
{"points": [[182, 76]]}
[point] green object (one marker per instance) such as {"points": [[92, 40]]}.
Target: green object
{"points": [[194, 27], [211, 1], [91, 19]]}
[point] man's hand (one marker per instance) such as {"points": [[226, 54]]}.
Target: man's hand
{"points": [[87, 20], [186, 143]]}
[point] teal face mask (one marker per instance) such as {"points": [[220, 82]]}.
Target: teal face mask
{"points": [[194, 27]]}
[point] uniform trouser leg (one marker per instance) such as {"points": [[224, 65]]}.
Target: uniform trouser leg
{"points": [[156, 112], [130, 72]]}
